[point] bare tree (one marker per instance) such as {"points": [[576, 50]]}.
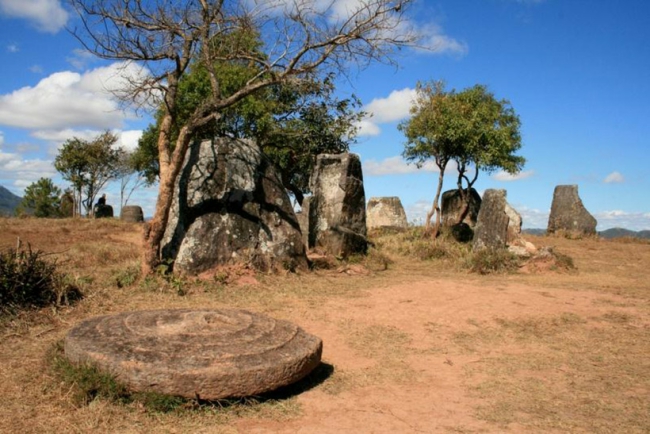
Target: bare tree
{"points": [[130, 178], [301, 38]]}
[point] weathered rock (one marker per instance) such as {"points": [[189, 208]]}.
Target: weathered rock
{"points": [[209, 354], [102, 211], [303, 220], [385, 212], [132, 213], [514, 226], [230, 207], [491, 229], [452, 205], [569, 214], [337, 211], [499, 225]]}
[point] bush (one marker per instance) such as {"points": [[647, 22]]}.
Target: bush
{"points": [[27, 280], [487, 261]]}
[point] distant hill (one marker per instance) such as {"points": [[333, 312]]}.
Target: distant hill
{"points": [[623, 233], [534, 231], [8, 201], [606, 234]]}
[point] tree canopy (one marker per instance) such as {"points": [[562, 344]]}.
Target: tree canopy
{"points": [[471, 127], [42, 199], [88, 165], [292, 122], [301, 40]]}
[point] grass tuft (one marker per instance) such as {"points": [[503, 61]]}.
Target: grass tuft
{"points": [[27, 280], [489, 261]]}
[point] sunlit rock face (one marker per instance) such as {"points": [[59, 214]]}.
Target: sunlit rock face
{"points": [[230, 207]]}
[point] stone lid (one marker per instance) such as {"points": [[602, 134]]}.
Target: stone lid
{"points": [[205, 353]]}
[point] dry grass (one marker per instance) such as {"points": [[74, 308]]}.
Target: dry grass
{"points": [[581, 366]]}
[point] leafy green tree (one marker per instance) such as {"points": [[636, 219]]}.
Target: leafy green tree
{"points": [[292, 122], [42, 199], [88, 165], [470, 127], [301, 40]]}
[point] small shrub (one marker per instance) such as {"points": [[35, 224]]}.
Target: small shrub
{"points": [[127, 277], [564, 262], [488, 261], [27, 280]]}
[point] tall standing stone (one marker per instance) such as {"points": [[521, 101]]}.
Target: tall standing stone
{"points": [[569, 214], [230, 206], [337, 210], [491, 229], [452, 205], [385, 212]]}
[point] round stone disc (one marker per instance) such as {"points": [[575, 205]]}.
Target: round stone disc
{"points": [[209, 354]]}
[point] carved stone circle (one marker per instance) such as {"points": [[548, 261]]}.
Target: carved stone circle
{"points": [[210, 354]]}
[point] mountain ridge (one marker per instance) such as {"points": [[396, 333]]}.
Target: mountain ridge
{"points": [[8, 201]]}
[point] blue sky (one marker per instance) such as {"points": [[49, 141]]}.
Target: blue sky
{"points": [[577, 73]]}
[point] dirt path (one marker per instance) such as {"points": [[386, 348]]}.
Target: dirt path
{"points": [[419, 348], [394, 354]]}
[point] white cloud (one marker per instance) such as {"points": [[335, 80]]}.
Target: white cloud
{"points": [[59, 136], [23, 172], [69, 99], [614, 178], [393, 108], [532, 218], [416, 213], [2, 138], [367, 128], [435, 41], [635, 221], [81, 58], [47, 15], [36, 69], [395, 166], [13, 48], [128, 140], [507, 177]]}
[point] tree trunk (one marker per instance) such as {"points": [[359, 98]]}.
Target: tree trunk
{"points": [[465, 194], [156, 229], [435, 209]]}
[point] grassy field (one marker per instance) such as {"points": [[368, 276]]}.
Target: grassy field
{"points": [[413, 341]]}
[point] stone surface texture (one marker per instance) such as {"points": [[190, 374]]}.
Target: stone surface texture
{"points": [[303, 220], [337, 211], [132, 213], [210, 354], [491, 229], [230, 207], [451, 205], [385, 212], [499, 225], [514, 225], [569, 214]]}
